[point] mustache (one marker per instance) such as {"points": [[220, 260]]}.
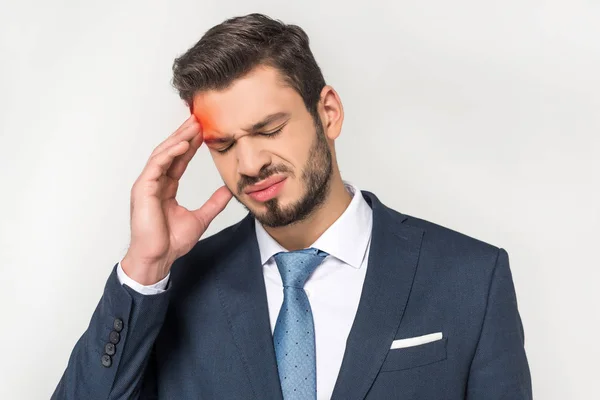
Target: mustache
{"points": [[264, 173]]}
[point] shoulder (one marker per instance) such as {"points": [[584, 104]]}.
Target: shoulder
{"points": [[444, 246], [457, 264], [449, 238]]}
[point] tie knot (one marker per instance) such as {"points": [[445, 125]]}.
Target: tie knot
{"points": [[296, 266]]}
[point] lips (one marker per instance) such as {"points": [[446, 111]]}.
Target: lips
{"points": [[267, 189], [264, 184]]}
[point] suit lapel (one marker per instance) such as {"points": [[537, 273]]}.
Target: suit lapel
{"points": [[242, 292], [392, 263]]}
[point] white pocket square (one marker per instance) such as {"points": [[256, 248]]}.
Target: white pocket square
{"points": [[416, 341]]}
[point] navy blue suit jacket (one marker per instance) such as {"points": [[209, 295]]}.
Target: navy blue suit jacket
{"points": [[208, 335]]}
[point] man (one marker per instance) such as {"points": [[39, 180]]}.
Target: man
{"points": [[321, 291]]}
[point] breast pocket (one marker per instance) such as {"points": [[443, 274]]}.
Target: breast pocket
{"points": [[415, 356]]}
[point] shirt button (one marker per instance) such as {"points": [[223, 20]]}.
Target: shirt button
{"points": [[118, 324], [114, 337], [110, 349], [106, 360]]}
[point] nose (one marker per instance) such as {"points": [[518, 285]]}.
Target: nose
{"points": [[251, 157]]}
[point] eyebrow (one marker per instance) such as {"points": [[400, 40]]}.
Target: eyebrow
{"points": [[217, 140], [266, 121], [269, 119]]}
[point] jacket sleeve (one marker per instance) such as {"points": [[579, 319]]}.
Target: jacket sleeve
{"points": [[499, 369], [131, 321]]}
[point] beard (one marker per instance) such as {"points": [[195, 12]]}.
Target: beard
{"points": [[316, 179]]}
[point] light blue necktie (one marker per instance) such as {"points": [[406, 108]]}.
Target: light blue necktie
{"points": [[294, 334]]}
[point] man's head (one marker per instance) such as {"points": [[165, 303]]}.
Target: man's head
{"points": [[267, 115]]}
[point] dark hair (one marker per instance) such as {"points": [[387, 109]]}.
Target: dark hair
{"points": [[231, 49]]}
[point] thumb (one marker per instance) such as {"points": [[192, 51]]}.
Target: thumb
{"points": [[213, 206]]}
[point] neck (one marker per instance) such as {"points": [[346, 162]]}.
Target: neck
{"points": [[302, 234]]}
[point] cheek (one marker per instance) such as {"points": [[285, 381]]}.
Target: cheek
{"points": [[299, 144]]}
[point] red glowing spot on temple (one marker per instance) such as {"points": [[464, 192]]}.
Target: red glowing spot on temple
{"points": [[207, 125], [210, 135]]}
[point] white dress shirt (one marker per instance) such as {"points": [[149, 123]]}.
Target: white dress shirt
{"points": [[333, 289]]}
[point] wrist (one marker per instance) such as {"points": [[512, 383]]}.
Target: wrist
{"points": [[142, 272]]}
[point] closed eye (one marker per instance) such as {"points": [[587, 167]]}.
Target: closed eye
{"points": [[266, 134], [273, 133]]}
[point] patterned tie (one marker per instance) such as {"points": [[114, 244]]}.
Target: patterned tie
{"points": [[294, 334]]}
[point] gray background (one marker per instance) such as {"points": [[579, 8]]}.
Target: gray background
{"points": [[478, 115]]}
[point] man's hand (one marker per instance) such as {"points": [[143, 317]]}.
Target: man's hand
{"points": [[161, 229]]}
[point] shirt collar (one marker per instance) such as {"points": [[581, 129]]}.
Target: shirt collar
{"points": [[346, 239]]}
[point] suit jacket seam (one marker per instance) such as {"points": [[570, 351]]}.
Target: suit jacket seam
{"points": [[487, 304]]}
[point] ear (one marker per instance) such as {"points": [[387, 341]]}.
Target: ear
{"points": [[332, 112]]}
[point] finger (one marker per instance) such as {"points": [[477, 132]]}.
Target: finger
{"points": [[185, 123], [186, 133], [170, 188], [160, 163], [213, 206], [184, 130], [180, 163]]}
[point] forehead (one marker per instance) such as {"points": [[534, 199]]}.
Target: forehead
{"points": [[246, 101]]}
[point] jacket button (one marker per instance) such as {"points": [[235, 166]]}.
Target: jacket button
{"points": [[114, 337], [110, 349], [118, 325], [106, 360]]}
